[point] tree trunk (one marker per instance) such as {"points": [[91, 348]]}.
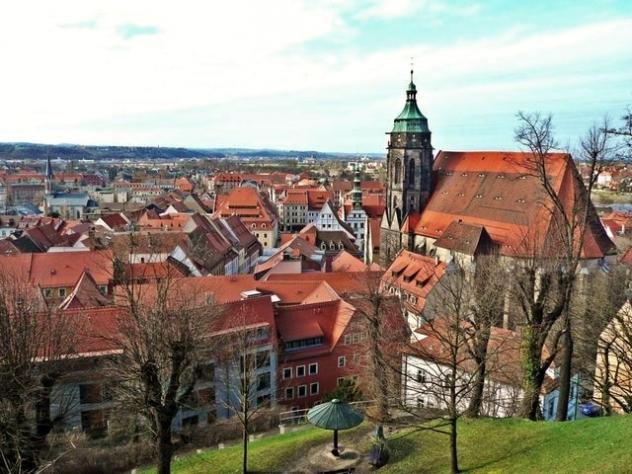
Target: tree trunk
{"points": [[379, 373], [164, 446], [476, 400], [245, 443], [454, 457], [565, 372], [533, 376]]}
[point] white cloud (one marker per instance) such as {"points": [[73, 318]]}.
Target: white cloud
{"points": [[69, 75], [389, 9]]}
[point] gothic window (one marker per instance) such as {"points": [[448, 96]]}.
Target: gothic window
{"points": [[398, 170], [411, 172]]}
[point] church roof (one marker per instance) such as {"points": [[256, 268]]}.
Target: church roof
{"points": [[499, 191], [464, 238]]}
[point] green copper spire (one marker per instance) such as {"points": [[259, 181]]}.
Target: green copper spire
{"points": [[411, 120]]}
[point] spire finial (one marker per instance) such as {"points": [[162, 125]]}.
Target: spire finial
{"points": [[412, 67]]}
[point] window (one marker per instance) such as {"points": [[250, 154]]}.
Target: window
{"points": [[313, 369], [313, 388], [289, 393], [48, 293], [397, 171], [339, 381], [287, 373], [205, 372], [302, 391], [263, 400], [62, 292], [89, 393], [263, 359], [312, 341], [300, 371], [356, 358], [342, 361], [263, 381], [421, 376]]}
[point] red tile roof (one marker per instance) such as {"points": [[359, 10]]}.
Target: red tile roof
{"points": [[62, 269], [115, 221], [295, 197], [85, 294], [317, 198], [465, 238], [342, 282], [328, 319], [246, 202], [414, 274], [345, 262], [499, 191]]}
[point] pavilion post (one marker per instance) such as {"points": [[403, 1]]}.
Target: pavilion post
{"points": [[335, 451]]}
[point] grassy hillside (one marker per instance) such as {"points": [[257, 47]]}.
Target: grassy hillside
{"points": [[486, 446], [512, 446]]}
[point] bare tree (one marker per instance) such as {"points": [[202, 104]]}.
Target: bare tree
{"points": [[35, 343], [569, 226], [161, 330], [381, 314], [488, 289], [244, 362], [450, 364], [624, 133]]}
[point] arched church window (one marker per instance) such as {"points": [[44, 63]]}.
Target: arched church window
{"points": [[398, 170], [411, 172]]}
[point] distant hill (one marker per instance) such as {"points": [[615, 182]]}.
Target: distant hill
{"points": [[35, 151], [21, 151]]}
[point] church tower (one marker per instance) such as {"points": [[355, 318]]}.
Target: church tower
{"points": [[48, 179], [48, 186], [408, 172]]}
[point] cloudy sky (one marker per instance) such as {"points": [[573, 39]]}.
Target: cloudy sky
{"points": [[327, 75]]}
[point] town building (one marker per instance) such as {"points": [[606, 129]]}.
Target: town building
{"points": [[427, 367], [254, 209]]}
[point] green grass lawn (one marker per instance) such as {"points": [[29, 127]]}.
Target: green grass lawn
{"points": [[517, 446], [265, 455], [485, 446]]}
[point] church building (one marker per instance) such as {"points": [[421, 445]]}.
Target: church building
{"points": [[467, 203]]}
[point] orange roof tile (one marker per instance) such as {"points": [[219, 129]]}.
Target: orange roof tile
{"points": [[499, 191], [415, 275], [62, 269]]}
